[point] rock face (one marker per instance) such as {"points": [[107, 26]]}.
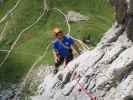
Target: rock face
{"points": [[129, 27], [104, 73], [120, 7], [73, 16], [9, 92]]}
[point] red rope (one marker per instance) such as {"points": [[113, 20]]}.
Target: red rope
{"points": [[88, 93]]}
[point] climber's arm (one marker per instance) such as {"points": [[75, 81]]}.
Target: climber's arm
{"points": [[76, 47], [55, 53]]}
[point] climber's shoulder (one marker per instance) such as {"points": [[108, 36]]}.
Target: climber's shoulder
{"points": [[68, 36], [69, 39], [55, 43]]}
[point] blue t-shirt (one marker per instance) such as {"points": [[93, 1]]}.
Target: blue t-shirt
{"points": [[59, 45]]}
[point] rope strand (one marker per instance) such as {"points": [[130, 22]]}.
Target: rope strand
{"points": [[3, 31], [22, 85], [67, 22], [69, 29], [17, 39], [10, 12]]}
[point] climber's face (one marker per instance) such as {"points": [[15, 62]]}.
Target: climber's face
{"points": [[60, 35]]}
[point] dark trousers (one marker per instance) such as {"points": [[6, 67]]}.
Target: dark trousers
{"points": [[64, 59]]}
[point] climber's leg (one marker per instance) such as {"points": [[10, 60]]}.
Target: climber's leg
{"points": [[68, 59], [58, 63]]}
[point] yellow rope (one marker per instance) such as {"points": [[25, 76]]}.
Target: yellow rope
{"points": [[33, 66], [17, 39], [10, 12], [22, 85], [84, 46], [4, 50], [3, 31], [67, 22]]}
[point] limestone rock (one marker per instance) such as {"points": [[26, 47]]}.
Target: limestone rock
{"points": [[73, 16], [106, 72]]}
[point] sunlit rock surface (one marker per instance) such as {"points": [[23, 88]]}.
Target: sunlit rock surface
{"points": [[105, 72]]}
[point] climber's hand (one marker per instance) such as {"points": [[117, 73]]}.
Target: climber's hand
{"points": [[76, 48], [56, 59]]}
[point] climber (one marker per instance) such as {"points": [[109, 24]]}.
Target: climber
{"points": [[62, 48]]}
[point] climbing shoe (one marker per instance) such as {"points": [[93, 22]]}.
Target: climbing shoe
{"points": [[55, 71]]}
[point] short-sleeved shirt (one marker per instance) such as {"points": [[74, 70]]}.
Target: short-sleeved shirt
{"points": [[59, 45]]}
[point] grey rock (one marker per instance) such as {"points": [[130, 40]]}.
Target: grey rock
{"points": [[68, 88], [120, 65], [106, 71], [39, 98], [6, 94], [130, 7], [73, 16], [110, 36], [112, 53]]}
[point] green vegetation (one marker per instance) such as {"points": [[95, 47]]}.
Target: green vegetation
{"points": [[33, 43]]}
